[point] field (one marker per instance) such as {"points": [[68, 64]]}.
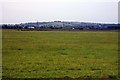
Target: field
{"points": [[58, 54]]}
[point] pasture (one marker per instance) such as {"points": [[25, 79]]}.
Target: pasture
{"points": [[57, 54]]}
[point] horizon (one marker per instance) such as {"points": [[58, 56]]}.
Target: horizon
{"points": [[54, 21]]}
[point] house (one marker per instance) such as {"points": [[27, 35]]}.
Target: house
{"points": [[31, 27]]}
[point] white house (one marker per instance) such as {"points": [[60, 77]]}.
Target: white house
{"points": [[31, 27]]}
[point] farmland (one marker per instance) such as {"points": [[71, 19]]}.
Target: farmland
{"points": [[57, 54]]}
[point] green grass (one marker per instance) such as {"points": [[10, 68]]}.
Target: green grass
{"points": [[56, 54]]}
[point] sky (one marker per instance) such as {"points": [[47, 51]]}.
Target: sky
{"points": [[20, 11]]}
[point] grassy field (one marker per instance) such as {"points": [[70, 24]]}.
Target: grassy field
{"points": [[57, 54]]}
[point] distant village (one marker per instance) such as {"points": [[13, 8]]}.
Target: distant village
{"points": [[61, 25]]}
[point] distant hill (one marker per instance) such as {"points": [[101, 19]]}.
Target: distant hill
{"points": [[62, 25]]}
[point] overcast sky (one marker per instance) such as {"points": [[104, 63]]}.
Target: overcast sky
{"points": [[17, 11]]}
